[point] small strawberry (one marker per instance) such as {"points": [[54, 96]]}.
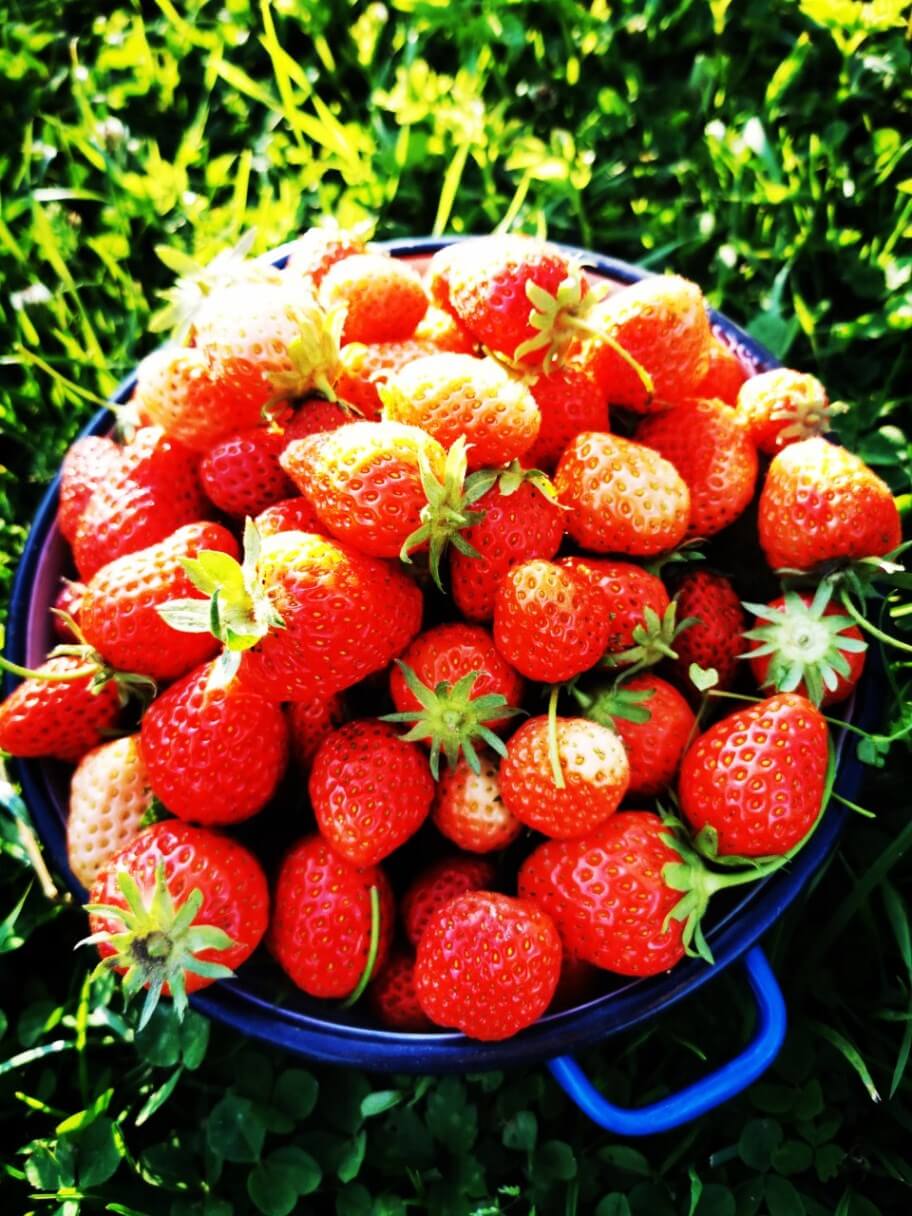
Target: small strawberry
{"points": [[437, 886], [309, 723], [109, 795], [709, 446], [757, 777], [715, 637], [588, 758], [241, 473], [153, 491], [288, 515], [317, 249], [89, 462], [62, 709], [622, 497], [504, 950], [442, 331], [365, 370], [629, 591], [821, 503], [520, 520], [332, 921], [383, 298], [806, 644], [549, 621], [370, 790], [570, 401], [178, 908], [213, 754], [782, 406], [469, 810], [316, 416], [67, 607], [438, 274], [724, 375], [393, 998], [452, 396]]}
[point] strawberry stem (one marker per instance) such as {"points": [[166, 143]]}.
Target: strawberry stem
{"points": [[372, 951], [52, 677], [863, 623]]}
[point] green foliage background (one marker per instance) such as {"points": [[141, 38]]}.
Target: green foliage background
{"points": [[761, 148]]}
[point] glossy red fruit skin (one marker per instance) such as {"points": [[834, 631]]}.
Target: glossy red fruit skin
{"points": [[89, 461], [316, 416], [549, 622], [235, 894], [655, 748], [844, 684], [820, 503], [393, 999], [119, 617], [570, 401], [716, 639], [241, 473], [448, 652], [63, 720], [309, 723], [437, 885], [487, 965], [154, 491], [321, 921], [69, 600], [288, 515], [213, 755], [628, 590], [384, 297], [469, 809], [607, 896], [370, 790], [516, 527], [366, 368], [758, 776], [710, 447], [724, 375]]}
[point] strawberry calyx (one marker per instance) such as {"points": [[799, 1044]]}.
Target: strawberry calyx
{"points": [[314, 352], [606, 703], [509, 479], [159, 942], [806, 644], [552, 316], [806, 414], [653, 640], [452, 719]]}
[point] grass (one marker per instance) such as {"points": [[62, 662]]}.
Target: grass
{"points": [[761, 149]]}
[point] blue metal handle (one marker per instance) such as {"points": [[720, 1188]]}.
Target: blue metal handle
{"points": [[703, 1095]]}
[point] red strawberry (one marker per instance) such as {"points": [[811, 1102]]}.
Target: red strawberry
{"points": [[109, 795], [710, 448], [715, 639], [724, 375], [757, 777], [54, 714], [518, 522], [310, 722], [67, 604], [822, 503], [487, 965], [622, 497], [383, 297], [241, 473], [317, 249], [213, 754], [593, 772], [549, 621], [366, 369], [469, 810], [370, 790], [148, 929], [570, 401], [629, 592], [154, 491], [321, 924], [782, 406], [437, 886], [288, 515], [119, 615], [89, 462], [316, 416], [393, 998]]}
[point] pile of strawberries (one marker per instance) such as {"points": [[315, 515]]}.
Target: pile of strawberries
{"points": [[420, 575]]}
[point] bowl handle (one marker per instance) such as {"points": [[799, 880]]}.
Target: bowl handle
{"points": [[706, 1094]]}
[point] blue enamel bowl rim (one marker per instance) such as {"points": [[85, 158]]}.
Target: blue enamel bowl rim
{"points": [[232, 1003]]}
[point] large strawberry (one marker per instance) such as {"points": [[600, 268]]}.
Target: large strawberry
{"points": [[469, 810], [757, 777], [241, 473], [383, 298], [569, 400], [332, 921], [622, 497], [821, 503], [109, 795], [62, 709], [782, 406], [89, 462], [487, 965], [437, 886], [631, 594], [177, 908], [214, 753], [715, 637], [370, 790], [317, 249]]}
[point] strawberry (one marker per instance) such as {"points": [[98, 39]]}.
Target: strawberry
{"points": [[383, 297], [519, 520], [549, 621], [506, 949], [437, 886], [317, 249], [309, 723], [782, 406], [714, 639], [213, 754], [653, 722], [67, 607], [806, 644], [821, 503], [316, 416], [241, 473], [370, 790], [469, 810], [61, 710], [176, 909], [451, 395], [622, 497], [630, 592], [153, 491], [757, 777], [442, 331], [708, 445], [724, 375], [454, 687], [592, 766], [570, 401], [367, 369], [119, 614], [393, 998], [288, 515], [109, 795], [438, 275], [90, 462], [324, 919]]}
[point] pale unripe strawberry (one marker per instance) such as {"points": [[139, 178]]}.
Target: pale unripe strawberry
{"points": [[109, 794]]}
